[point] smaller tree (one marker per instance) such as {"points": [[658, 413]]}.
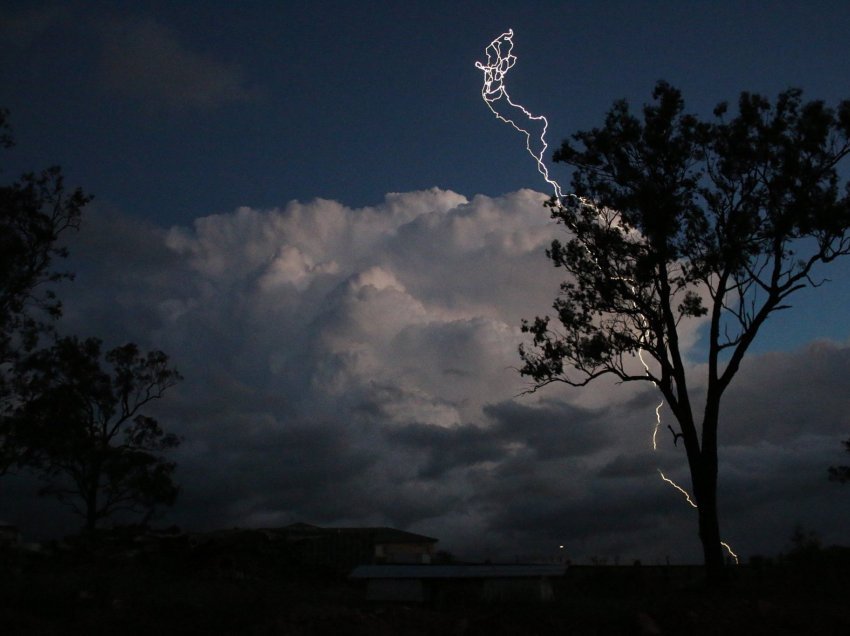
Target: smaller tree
{"points": [[35, 211], [91, 443], [841, 473]]}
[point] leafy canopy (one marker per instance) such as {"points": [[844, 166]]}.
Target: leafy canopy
{"points": [[81, 413], [674, 217], [35, 211]]}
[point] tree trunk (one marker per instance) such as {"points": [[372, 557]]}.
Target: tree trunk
{"points": [[705, 489], [91, 511], [709, 534], [90, 497]]}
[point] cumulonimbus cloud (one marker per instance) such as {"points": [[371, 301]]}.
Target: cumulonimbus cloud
{"points": [[357, 366]]}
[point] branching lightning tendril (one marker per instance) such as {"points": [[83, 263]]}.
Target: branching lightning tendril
{"points": [[500, 60], [677, 487], [657, 425]]}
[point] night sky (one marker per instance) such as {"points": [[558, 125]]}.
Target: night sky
{"points": [[311, 210]]}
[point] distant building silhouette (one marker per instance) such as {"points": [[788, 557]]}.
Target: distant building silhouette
{"points": [[336, 550], [345, 548]]}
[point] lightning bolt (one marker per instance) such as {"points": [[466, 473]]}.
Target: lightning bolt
{"points": [[731, 553], [500, 60], [677, 487], [657, 425]]}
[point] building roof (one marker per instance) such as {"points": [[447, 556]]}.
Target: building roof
{"points": [[506, 571], [375, 534]]}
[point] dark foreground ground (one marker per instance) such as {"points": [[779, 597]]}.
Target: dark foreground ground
{"points": [[86, 592]]}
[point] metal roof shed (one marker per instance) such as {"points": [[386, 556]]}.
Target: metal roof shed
{"points": [[445, 583]]}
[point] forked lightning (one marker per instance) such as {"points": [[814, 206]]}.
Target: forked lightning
{"points": [[500, 60]]}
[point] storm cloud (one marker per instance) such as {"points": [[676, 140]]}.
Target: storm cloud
{"points": [[358, 366]]}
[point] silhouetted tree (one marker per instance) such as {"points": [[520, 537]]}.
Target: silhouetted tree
{"points": [[803, 541], [34, 212], [841, 473], [806, 548], [96, 450], [674, 218]]}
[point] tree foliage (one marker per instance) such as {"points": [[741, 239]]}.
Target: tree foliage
{"points": [[67, 411], [35, 211], [675, 218], [84, 420]]}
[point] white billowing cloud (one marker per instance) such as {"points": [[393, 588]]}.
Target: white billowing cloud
{"points": [[292, 267], [387, 296], [358, 366]]}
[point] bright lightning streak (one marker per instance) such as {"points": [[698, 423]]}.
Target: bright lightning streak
{"points": [[663, 476], [500, 60], [731, 553], [677, 487], [690, 501], [657, 425]]}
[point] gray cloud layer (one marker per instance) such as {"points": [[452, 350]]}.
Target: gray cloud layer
{"points": [[146, 60], [354, 366], [138, 57]]}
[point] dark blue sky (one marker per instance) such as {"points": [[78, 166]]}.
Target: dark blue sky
{"points": [[350, 100]]}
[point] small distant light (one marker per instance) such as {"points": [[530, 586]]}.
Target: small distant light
{"points": [[562, 547]]}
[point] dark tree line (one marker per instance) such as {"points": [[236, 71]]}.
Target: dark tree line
{"points": [[841, 473], [70, 412], [676, 218]]}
